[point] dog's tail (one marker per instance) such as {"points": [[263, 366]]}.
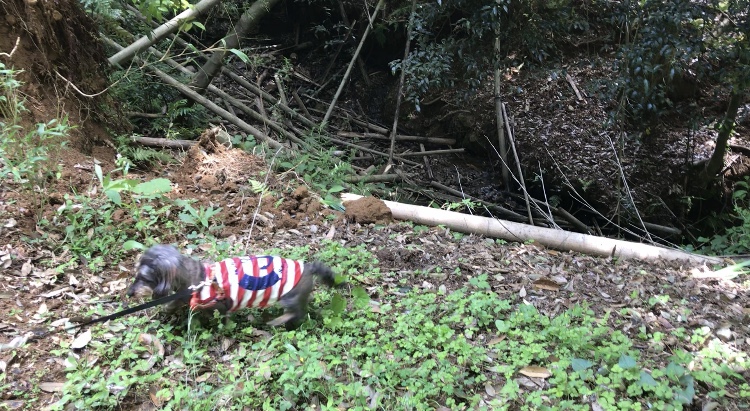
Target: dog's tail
{"points": [[324, 273]]}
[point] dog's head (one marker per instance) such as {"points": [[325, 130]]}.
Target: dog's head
{"points": [[156, 272]]}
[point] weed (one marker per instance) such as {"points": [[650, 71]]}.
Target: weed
{"points": [[24, 154], [736, 238], [95, 226], [199, 218]]}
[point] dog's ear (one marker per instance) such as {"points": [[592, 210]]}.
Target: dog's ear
{"points": [[164, 283]]}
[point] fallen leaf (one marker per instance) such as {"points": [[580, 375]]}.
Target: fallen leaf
{"points": [[55, 293], [522, 292], [496, 340], [331, 233], [51, 386], [535, 372], [203, 377], [489, 389], [82, 340], [14, 343], [26, 269], [546, 284], [12, 405]]}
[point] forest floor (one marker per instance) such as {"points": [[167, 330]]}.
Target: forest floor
{"points": [[661, 316], [431, 319]]}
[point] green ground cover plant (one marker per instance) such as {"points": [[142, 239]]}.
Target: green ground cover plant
{"points": [[418, 351]]}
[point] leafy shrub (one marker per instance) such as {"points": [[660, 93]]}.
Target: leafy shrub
{"points": [[454, 41], [666, 43], [736, 238], [24, 153]]}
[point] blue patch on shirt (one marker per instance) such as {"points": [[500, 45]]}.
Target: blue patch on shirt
{"points": [[252, 283]]}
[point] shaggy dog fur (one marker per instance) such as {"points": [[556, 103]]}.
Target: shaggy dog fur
{"points": [[162, 271]]}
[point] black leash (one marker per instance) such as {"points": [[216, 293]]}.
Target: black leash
{"points": [[39, 334], [153, 303]]}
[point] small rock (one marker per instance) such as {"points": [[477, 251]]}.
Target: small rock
{"points": [[724, 333]]}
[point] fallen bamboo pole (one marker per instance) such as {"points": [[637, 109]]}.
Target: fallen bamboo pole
{"points": [[399, 137], [374, 178], [557, 239], [127, 53], [433, 152], [164, 142]]}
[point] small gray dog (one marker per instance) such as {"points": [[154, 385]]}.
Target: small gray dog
{"points": [[230, 284]]}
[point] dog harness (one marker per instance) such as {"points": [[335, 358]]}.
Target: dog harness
{"points": [[252, 281]]}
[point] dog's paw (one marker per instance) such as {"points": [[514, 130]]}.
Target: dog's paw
{"points": [[281, 320]]}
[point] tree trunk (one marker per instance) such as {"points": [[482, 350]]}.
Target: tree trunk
{"points": [[716, 162], [248, 21]]}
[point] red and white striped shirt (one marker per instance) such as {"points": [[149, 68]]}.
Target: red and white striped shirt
{"points": [[252, 281]]}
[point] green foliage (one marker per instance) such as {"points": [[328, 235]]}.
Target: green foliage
{"points": [[138, 93], [199, 218], [24, 154], [672, 48], [321, 170], [735, 239], [140, 155], [96, 223], [159, 9], [663, 51], [412, 352], [529, 31], [464, 204]]}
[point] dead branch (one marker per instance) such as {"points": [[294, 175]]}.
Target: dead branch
{"points": [[366, 124], [502, 143], [574, 86], [300, 103], [205, 102], [375, 178], [663, 230], [427, 167], [369, 150], [518, 162], [144, 115], [400, 93], [269, 98], [231, 100]]}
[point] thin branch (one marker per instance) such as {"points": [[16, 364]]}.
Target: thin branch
{"points": [[401, 81], [351, 64]]}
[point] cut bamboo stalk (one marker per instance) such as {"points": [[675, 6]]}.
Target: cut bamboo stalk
{"points": [[160, 32], [432, 152], [164, 142], [399, 137], [557, 239]]}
